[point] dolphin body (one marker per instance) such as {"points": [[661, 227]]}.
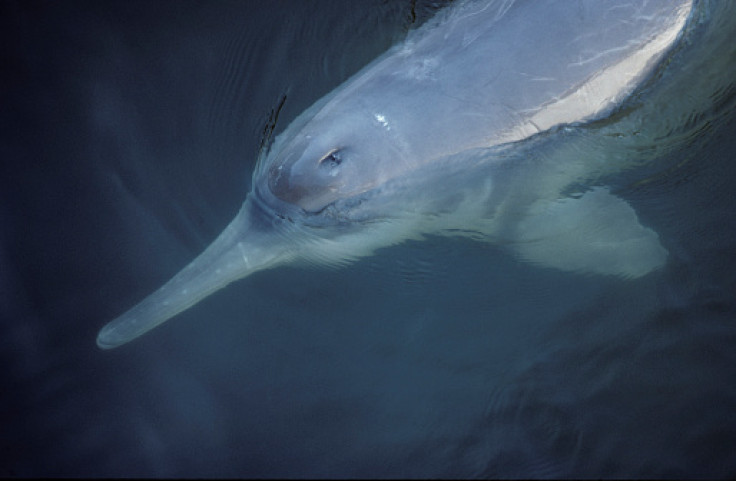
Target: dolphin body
{"points": [[495, 120]]}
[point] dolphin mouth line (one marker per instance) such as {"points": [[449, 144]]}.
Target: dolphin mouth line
{"points": [[338, 212], [268, 207]]}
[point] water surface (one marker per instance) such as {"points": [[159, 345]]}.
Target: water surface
{"points": [[129, 134]]}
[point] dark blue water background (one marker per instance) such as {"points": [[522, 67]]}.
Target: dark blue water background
{"points": [[128, 134]]}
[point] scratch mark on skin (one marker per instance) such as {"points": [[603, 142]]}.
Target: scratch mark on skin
{"points": [[242, 252]]}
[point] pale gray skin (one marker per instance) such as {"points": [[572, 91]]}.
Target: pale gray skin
{"points": [[457, 131]]}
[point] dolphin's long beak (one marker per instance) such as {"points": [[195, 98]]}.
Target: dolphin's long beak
{"points": [[241, 249]]}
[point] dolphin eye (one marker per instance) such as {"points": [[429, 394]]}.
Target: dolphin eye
{"points": [[331, 160]]}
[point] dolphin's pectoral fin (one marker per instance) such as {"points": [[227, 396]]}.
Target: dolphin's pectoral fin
{"points": [[596, 233]]}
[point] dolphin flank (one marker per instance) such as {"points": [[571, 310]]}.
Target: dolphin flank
{"points": [[494, 120]]}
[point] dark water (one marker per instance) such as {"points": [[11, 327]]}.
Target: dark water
{"points": [[128, 134]]}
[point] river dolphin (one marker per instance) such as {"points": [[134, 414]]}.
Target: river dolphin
{"points": [[494, 120]]}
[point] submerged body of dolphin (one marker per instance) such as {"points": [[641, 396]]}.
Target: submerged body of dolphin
{"points": [[460, 130]]}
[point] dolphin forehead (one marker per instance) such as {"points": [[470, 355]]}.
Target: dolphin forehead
{"points": [[333, 157], [478, 78], [306, 172]]}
